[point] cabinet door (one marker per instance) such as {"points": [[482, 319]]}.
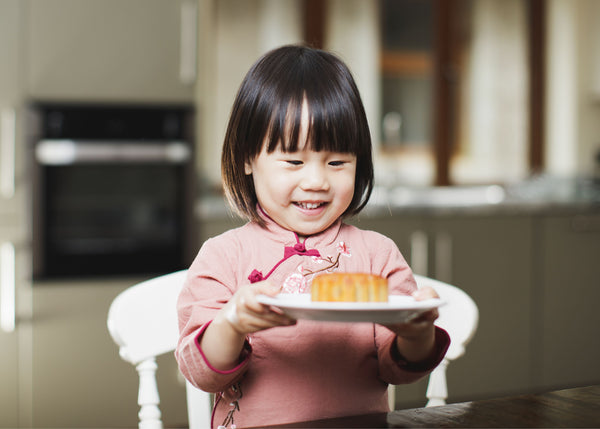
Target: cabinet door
{"points": [[11, 153], [569, 292], [79, 379], [118, 50], [10, 48], [490, 259], [15, 331], [9, 344]]}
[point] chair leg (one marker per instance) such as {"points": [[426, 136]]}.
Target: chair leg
{"points": [[148, 399], [392, 397], [437, 390]]}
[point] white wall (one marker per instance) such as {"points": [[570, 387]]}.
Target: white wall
{"points": [[494, 146], [573, 83], [352, 33], [232, 35]]}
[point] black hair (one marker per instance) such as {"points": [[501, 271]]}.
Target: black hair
{"points": [[268, 110]]}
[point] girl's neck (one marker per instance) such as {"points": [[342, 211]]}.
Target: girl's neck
{"points": [[299, 238]]}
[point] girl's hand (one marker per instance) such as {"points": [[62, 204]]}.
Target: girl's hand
{"points": [[416, 338], [246, 315]]}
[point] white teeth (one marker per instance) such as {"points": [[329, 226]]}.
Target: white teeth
{"points": [[309, 205]]}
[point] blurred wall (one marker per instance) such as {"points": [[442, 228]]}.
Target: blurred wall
{"points": [[573, 82], [234, 33]]}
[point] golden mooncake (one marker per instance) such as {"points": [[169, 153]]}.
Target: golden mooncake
{"points": [[349, 287]]}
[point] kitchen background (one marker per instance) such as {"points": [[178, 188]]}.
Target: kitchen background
{"points": [[485, 117]]}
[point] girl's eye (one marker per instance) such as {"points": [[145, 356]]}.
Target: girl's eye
{"points": [[336, 163], [294, 162]]}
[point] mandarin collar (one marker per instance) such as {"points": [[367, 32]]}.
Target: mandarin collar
{"points": [[290, 238]]}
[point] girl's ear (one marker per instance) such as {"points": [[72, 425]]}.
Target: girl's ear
{"points": [[248, 168]]}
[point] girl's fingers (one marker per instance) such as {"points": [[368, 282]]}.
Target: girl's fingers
{"points": [[258, 321], [428, 316], [263, 288], [426, 292], [246, 314]]}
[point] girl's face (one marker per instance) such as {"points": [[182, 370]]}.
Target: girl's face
{"points": [[303, 191]]}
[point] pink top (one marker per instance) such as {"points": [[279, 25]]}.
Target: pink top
{"points": [[309, 371]]}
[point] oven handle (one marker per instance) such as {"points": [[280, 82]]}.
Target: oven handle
{"points": [[66, 152]]}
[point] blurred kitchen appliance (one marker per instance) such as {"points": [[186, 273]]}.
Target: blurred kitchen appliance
{"points": [[112, 189]]}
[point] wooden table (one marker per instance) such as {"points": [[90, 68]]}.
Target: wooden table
{"points": [[570, 408]]}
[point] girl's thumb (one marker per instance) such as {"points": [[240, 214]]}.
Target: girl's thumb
{"points": [[271, 289]]}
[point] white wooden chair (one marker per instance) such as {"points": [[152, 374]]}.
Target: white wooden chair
{"points": [[459, 317], [142, 320]]}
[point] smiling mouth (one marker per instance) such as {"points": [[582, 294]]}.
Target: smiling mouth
{"points": [[309, 206]]}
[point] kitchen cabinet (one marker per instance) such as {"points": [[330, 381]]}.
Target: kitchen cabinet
{"points": [[489, 257], [15, 265], [115, 50], [12, 191], [79, 380], [10, 47], [9, 378], [15, 327], [568, 290]]}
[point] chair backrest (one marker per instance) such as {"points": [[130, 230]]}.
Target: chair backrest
{"points": [[142, 320], [459, 317]]}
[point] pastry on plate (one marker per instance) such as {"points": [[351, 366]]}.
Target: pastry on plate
{"points": [[349, 287]]}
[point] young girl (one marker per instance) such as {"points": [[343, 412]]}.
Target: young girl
{"points": [[296, 161]]}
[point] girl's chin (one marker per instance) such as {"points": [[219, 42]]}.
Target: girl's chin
{"points": [[312, 230]]}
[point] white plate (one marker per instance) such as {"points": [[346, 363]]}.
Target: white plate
{"points": [[399, 308]]}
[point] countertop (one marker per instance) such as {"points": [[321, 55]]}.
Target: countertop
{"points": [[539, 195]]}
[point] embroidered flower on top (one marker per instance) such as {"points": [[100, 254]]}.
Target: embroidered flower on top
{"points": [[344, 249], [296, 283]]}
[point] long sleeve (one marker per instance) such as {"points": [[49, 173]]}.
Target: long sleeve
{"points": [[394, 369], [206, 290]]}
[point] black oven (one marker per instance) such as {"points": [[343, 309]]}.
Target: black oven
{"points": [[113, 190]]}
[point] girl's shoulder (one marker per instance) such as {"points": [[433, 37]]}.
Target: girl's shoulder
{"points": [[382, 253]]}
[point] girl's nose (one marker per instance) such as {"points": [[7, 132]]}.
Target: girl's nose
{"points": [[315, 179]]}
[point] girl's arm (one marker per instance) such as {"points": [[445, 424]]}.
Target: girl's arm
{"points": [[416, 348], [416, 339], [223, 340]]}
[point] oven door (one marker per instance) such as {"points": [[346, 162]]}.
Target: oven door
{"points": [[110, 209]]}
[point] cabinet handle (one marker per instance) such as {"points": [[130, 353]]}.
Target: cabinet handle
{"points": [[7, 287], [7, 152], [418, 252], [443, 257], [188, 42]]}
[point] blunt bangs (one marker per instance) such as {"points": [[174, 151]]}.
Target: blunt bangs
{"points": [[268, 111], [336, 117]]}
